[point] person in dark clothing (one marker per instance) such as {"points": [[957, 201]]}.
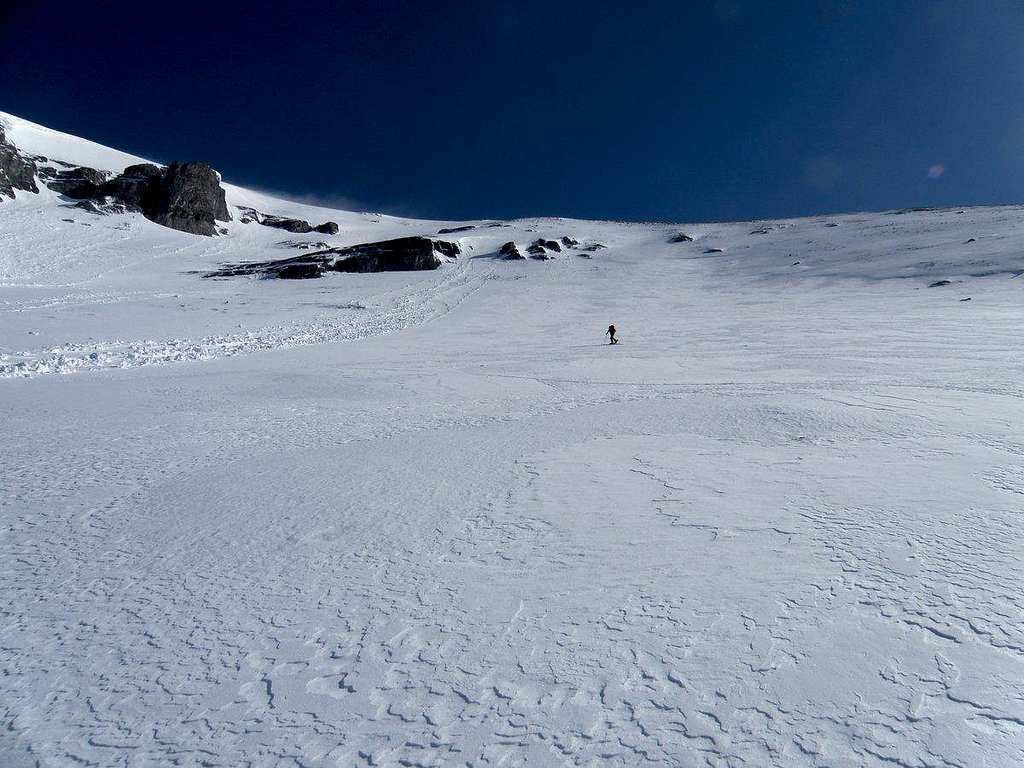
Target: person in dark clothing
{"points": [[611, 334]]}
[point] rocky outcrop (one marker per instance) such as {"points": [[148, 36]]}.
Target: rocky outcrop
{"points": [[16, 171], [296, 226], [75, 181], [453, 230], [445, 248], [299, 271], [510, 252], [183, 196], [568, 242], [551, 245], [188, 197], [405, 253], [134, 186], [402, 254], [681, 237]]}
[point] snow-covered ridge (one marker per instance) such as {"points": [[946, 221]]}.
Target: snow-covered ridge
{"points": [[36, 139]]}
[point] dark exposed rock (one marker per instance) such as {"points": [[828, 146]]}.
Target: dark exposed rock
{"points": [[539, 251], [510, 251], [593, 247], [248, 215], [446, 248], [453, 230], [761, 231], [970, 240], [681, 237], [551, 245], [404, 253], [299, 272], [16, 171], [967, 299], [135, 184], [190, 198], [568, 242], [714, 250], [183, 196], [76, 182], [938, 283], [296, 226]]}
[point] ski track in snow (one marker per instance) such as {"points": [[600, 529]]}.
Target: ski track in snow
{"points": [[427, 301]]}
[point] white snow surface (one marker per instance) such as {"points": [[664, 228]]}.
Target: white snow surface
{"points": [[433, 519]]}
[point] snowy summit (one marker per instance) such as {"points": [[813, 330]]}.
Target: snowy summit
{"points": [[285, 485]]}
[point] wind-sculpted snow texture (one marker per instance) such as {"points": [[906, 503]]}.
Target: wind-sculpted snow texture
{"points": [[431, 519]]}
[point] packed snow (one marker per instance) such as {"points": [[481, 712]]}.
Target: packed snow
{"points": [[433, 518]]}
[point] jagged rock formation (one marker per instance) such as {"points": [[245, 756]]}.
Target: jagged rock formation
{"points": [[184, 196], [539, 248], [16, 171], [74, 181], [444, 247], [299, 272], [401, 254], [296, 226], [510, 252]]}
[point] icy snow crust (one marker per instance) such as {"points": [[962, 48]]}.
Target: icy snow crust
{"points": [[433, 519]]}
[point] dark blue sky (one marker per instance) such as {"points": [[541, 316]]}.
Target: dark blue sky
{"points": [[726, 109]]}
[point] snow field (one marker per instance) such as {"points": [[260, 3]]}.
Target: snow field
{"points": [[432, 519]]}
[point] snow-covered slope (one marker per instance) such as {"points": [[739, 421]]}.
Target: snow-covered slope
{"points": [[36, 139], [432, 518]]}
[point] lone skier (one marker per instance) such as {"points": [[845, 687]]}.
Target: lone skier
{"points": [[611, 334]]}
